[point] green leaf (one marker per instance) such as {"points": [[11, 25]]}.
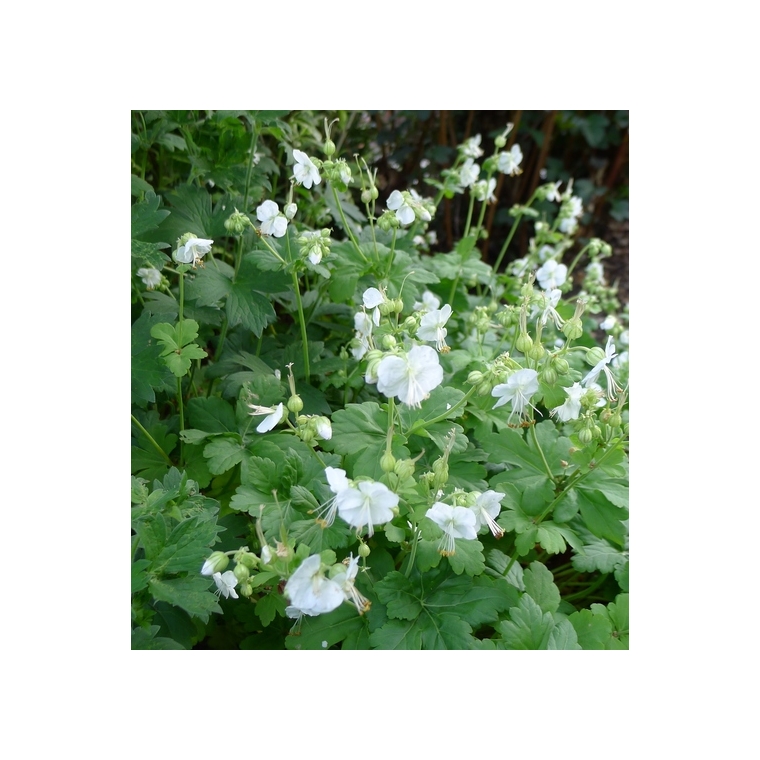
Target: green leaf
{"points": [[146, 215], [142, 639], [593, 631], [399, 595], [445, 631], [468, 557], [149, 372], [325, 631], [601, 517], [311, 533], [539, 584], [563, 636], [212, 415], [476, 600], [224, 453], [397, 634], [529, 627], [269, 607], [190, 593], [599, 555]]}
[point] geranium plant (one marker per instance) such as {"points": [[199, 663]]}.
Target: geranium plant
{"points": [[344, 440]]}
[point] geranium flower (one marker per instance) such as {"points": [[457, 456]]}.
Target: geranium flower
{"points": [[483, 191], [571, 409], [601, 366], [486, 509], [551, 275], [309, 592], [274, 418], [551, 299], [471, 147], [509, 161], [367, 503], [410, 377], [404, 212], [272, 221], [225, 584], [456, 522], [304, 170], [429, 302], [347, 580], [468, 173], [432, 326], [363, 327], [338, 482], [552, 192], [192, 251], [150, 276], [372, 298], [518, 389]]}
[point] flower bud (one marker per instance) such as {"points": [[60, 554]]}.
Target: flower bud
{"points": [[387, 462], [561, 365], [549, 375], [404, 468], [500, 141], [329, 147], [388, 341], [585, 436], [536, 352], [475, 377], [295, 404], [363, 550], [216, 563], [236, 223], [242, 573], [524, 343], [616, 420], [366, 196], [290, 211], [249, 559], [573, 329], [411, 325], [245, 589], [595, 355]]}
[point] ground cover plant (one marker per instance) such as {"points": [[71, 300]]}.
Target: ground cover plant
{"points": [[345, 437]]}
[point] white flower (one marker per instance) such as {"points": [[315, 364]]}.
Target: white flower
{"points": [[225, 584], [150, 276], [552, 193], [363, 327], [304, 170], [609, 322], [486, 509], [509, 161], [404, 212], [623, 337], [372, 298], [310, 593], [551, 299], [483, 191], [468, 173], [432, 326], [519, 267], [429, 302], [551, 275], [571, 409], [347, 580], [419, 209], [272, 221], [324, 428], [595, 271], [274, 418], [546, 252], [192, 251], [471, 147], [601, 366], [518, 389], [410, 377], [568, 225], [337, 480], [456, 522], [367, 503], [290, 211]]}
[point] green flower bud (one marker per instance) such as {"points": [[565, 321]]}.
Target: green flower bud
{"points": [[475, 377], [248, 559], [363, 550], [441, 472], [585, 436], [484, 388], [366, 196], [242, 573], [307, 435], [329, 147], [573, 328], [594, 355], [387, 462], [549, 375], [216, 563], [500, 141], [536, 352], [404, 468], [398, 305], [561, 365], [295, 404], [616, 419], [388, 342], [524, 343], [236, 223], [411, 325], [245, 589], [386, 307]]}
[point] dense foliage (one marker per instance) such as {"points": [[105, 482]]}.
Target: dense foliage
{"points": [[353, 427]]}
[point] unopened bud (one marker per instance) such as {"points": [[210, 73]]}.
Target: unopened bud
{"points": [[242, 573], [363, 550], [387, 462], [329, 147], [295, 404], [594, 355], [524, 343], [573, 329], [216, 563]]}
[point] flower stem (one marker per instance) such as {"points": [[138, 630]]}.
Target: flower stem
{"points": [[345, 225], [576, 260], [152, 440], [302, 323], [541, 452], [424, 423]]}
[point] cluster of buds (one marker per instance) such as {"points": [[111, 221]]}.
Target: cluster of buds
{"points": [[496, 373], [314, 244], [237, 223]]}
